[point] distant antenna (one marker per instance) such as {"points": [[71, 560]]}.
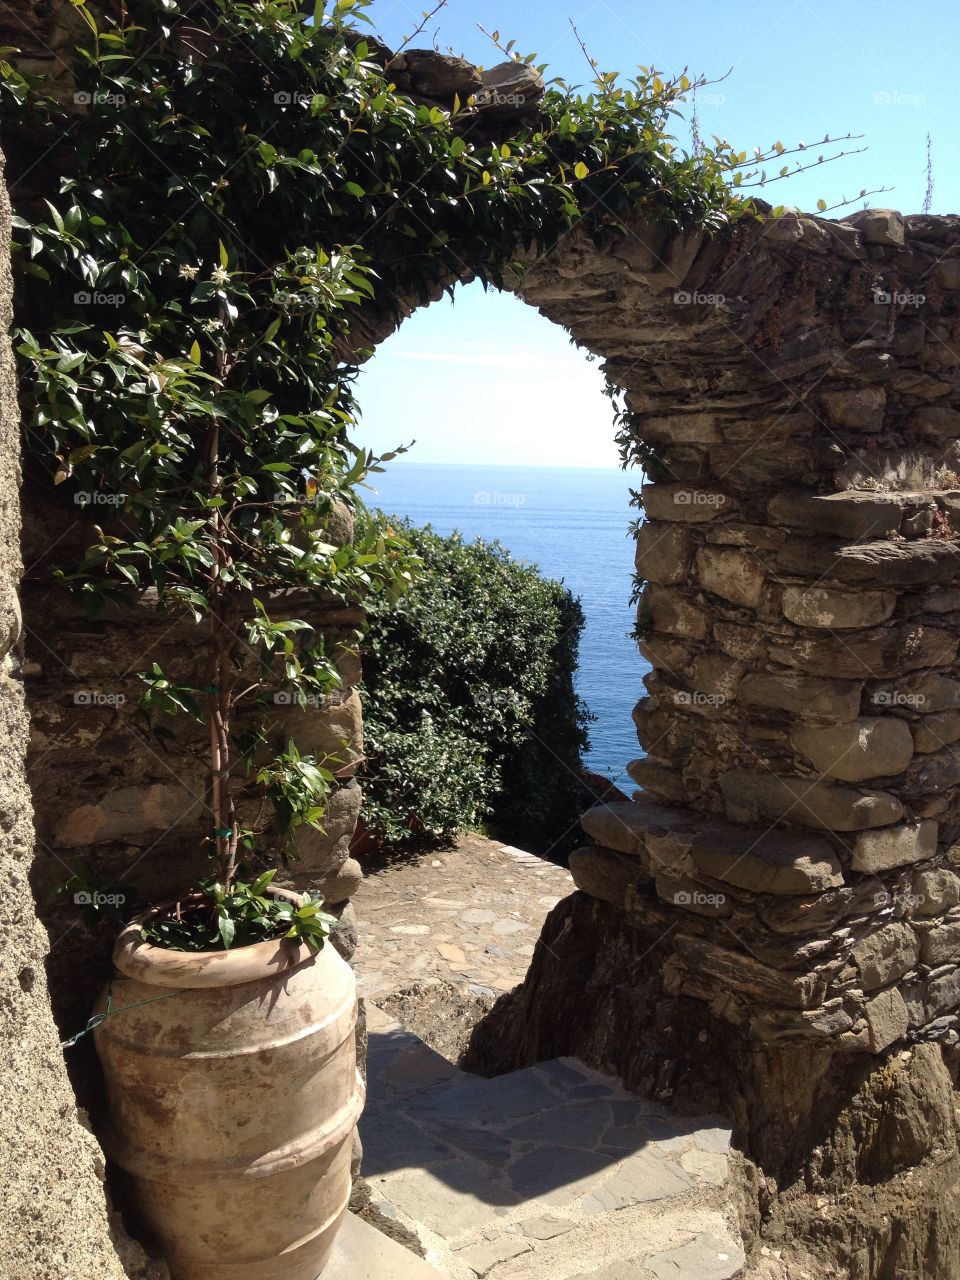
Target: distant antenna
{"points": [[928, 198], [695, 125]]}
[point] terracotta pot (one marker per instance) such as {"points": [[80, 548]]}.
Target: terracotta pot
{"points": [[232, 1102]]}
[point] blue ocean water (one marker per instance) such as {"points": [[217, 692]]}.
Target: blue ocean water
{"points": [[573, 524]]}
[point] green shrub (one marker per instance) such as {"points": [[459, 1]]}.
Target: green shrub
{"points": [[470, 710]]}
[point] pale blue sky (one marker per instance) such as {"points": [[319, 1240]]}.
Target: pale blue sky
{"points": [[486, 379]]}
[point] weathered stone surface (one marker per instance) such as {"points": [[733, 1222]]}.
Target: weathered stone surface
{"points": [[891, 650], [333, 732], [344, 884], [895, 846], [837, 610], [765, 861], [933, 732], [887, 1020], [129, 811], [803, 695], [879, 226], [894, 564], [885, 954], [672, 611], [716, 676], [806, 802], [322, 853], [934, 892], [743, 973], [735, 575], [685, 503], [852, 514], [937, 422], [436, 75], [663, 552], [942, 946], [860, 408], [869, 747], [659, 778], [604, 874], [663, 834], [510, 88]]}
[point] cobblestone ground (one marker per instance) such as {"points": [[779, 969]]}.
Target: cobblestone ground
{"points": [[469, 915], [552, 1173]]}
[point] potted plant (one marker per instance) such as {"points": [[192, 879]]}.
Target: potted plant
{"points": [[210, 425]]}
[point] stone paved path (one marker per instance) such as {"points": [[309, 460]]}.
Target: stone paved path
{"points": [[470, 915], [552, 1173]]}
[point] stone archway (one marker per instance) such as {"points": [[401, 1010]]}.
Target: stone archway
{"points": [[782, 890], [785, 892]]}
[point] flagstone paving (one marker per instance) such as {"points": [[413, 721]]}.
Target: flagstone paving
{"points": [[550, 1173], [469, 915]]}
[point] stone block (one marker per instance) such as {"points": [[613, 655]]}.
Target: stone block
{"points": [[644, 827], [892, 650], [803, 695], [332, 732], [943, 994], [885, 954], [736, 575], [934, 892], [937, 422], [664, 781], [744, 973], [879, 226], [344, 884], [806, 802], [606, 875], [685, 503], [130, 811], [883, 564], [898, 846], [857, 409], [869, 747], [936, 731], [323, 852], [887, 1020], [942, 946], [672, 611], [837, 610], [717, 676], [852, 514], [764, 861], [663, 552]]}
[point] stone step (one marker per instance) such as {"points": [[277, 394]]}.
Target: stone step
{"points": [[361, 1252], [554, 1172]]}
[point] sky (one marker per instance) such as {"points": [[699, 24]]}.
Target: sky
{"points": [[485, 378]]}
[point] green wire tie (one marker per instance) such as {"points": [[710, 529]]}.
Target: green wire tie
{"points": [[223, 834], [94, 1021]]}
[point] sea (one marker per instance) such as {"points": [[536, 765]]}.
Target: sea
{"points": [[573, 525]]}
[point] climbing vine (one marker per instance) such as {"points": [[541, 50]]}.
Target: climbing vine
{"points": [[232, 184]]}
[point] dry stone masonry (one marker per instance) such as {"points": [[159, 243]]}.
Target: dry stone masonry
{"points": [[795, 832]]}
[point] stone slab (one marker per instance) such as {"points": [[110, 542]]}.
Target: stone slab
{"points": [[361, 1252]]}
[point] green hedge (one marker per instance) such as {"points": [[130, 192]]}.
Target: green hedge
{"points": [[470, 712]]}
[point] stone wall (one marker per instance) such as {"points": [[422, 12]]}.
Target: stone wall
{"points": [[796, 395], [53, 1213]]}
